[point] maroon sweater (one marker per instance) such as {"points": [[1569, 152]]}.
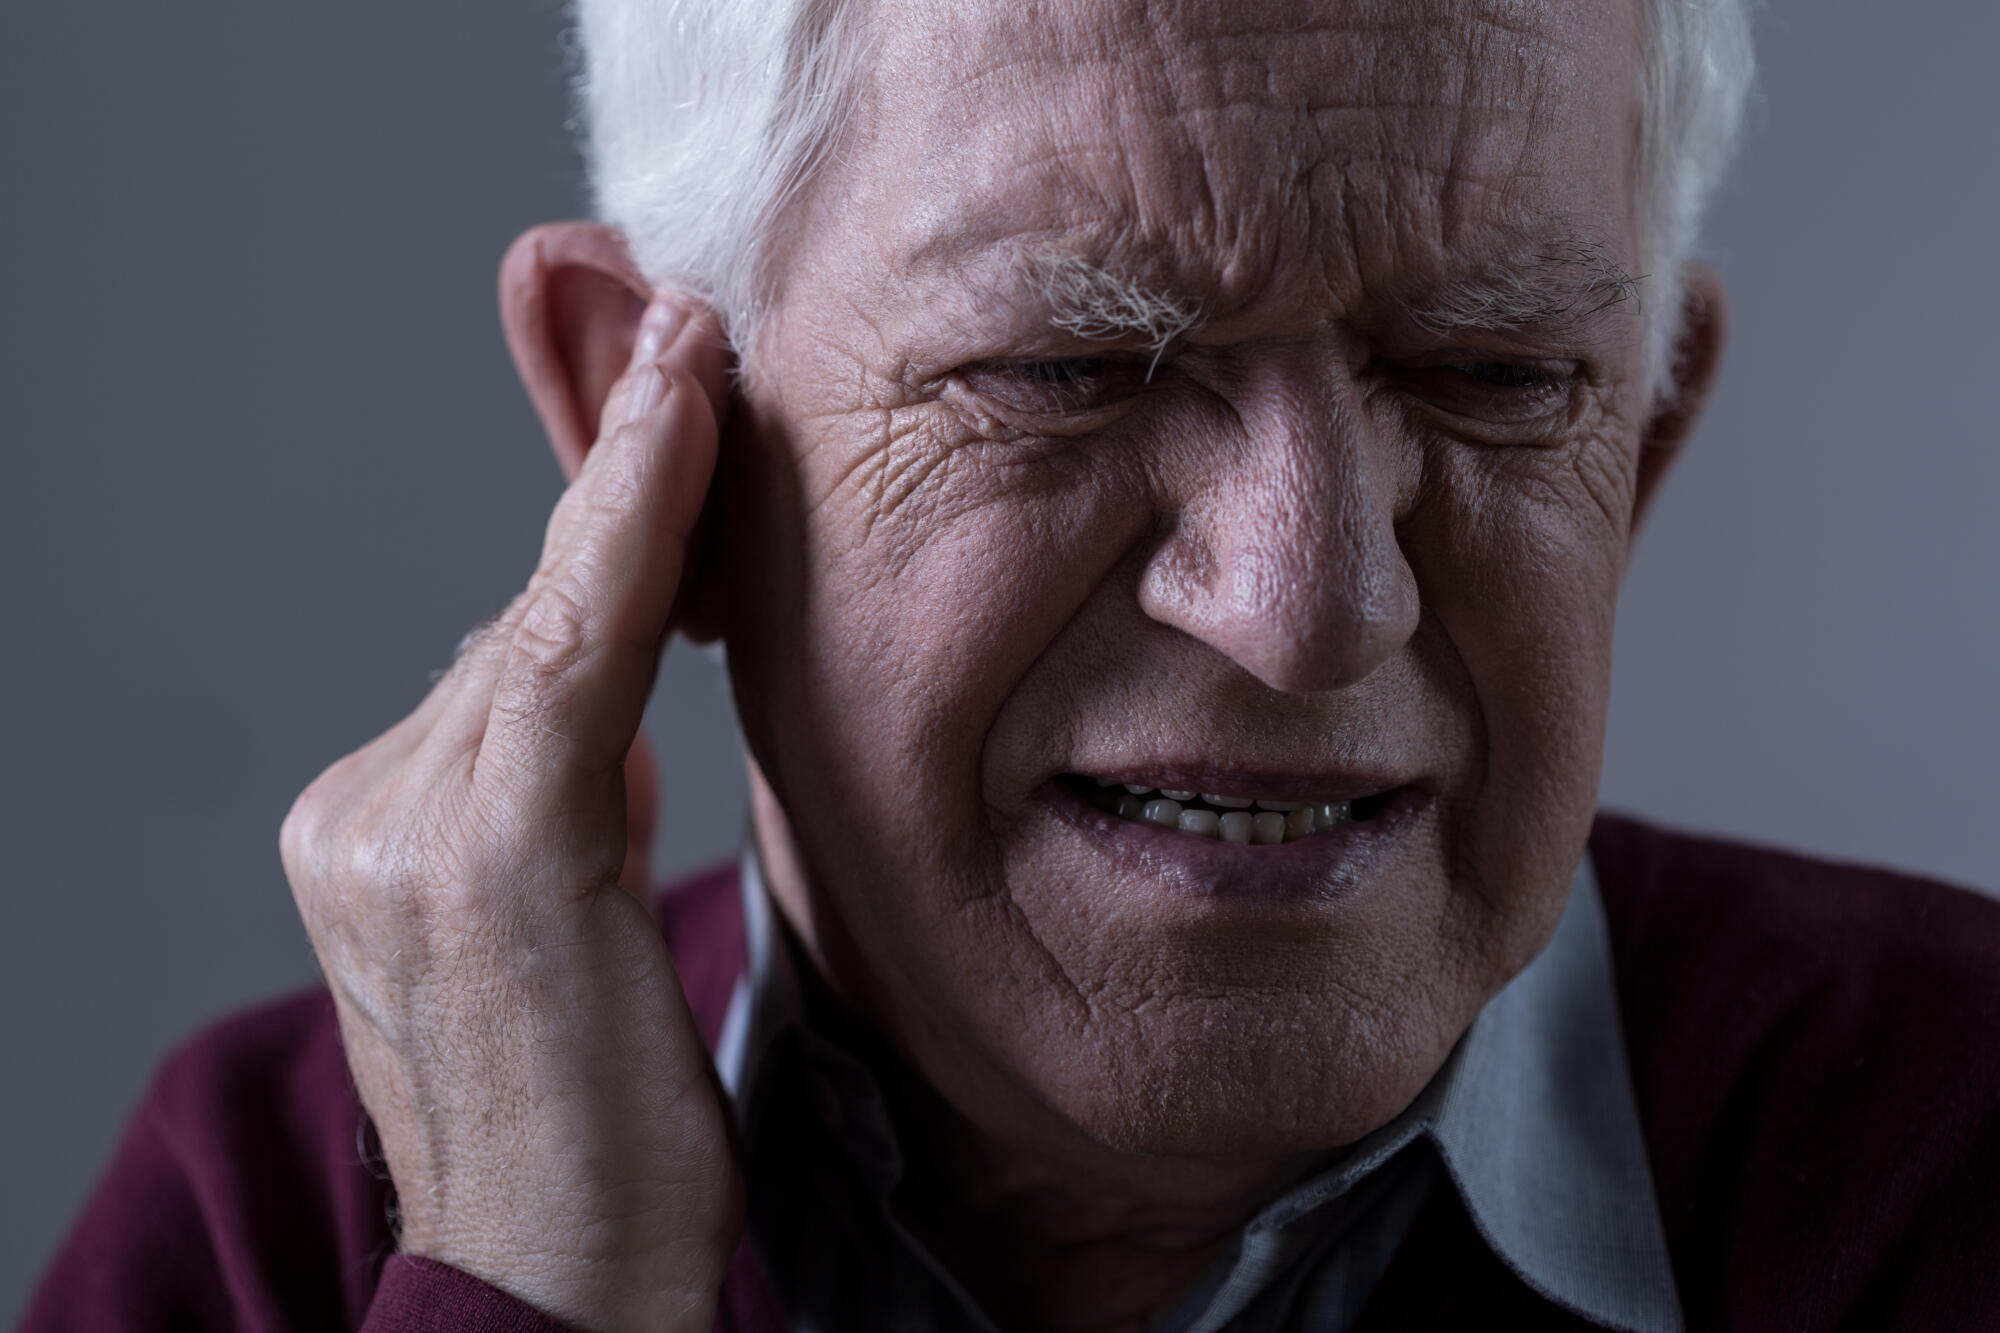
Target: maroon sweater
{"points": [[1816, 1051]]}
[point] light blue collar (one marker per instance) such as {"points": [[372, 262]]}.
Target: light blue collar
{"points": [[1533, 1117], [1539, 1128]]}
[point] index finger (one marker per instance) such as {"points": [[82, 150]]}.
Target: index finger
{"points": [[578, 661]]}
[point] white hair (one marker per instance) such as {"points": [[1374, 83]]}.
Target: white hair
{"points": [[1092, 303], [701, 118], [1699, 67]]}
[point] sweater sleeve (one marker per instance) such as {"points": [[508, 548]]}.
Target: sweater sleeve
{"points": [[138, 1256], [423, 1296], [141, 1257], [246, 1195]]}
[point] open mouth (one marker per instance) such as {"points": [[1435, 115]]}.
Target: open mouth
{"points": [[1249, 820]]}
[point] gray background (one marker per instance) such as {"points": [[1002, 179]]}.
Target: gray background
{"points": [[268, 461]]}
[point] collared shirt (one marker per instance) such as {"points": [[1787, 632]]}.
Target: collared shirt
{"points": [[1532, 1120]]}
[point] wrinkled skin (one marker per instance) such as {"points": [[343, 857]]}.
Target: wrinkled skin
{"points": [[1315, 542], [1311, 542]]}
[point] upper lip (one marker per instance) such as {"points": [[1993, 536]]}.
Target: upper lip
{"points": [[1344, 783]]}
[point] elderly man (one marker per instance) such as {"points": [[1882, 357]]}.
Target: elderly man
{"points": [[1165, 517]]}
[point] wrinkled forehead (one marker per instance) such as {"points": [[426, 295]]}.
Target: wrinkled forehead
{"points": [[1222, 146]]}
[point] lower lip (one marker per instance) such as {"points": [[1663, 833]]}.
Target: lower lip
{"points": [[1336, 862]]}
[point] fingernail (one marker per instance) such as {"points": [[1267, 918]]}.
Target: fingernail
{"points": [[649, 387], [662, 321]]}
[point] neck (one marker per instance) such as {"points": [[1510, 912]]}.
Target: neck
{"points": [[1064, 1235]]}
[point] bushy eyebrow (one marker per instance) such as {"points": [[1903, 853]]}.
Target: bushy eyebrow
{"points": [[1567, 283], [1091, 302], [1561, 284], [1558, 282]]}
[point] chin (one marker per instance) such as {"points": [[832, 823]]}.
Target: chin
{"points": [[1245, 1077]]}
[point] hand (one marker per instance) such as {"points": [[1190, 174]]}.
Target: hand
{"points": [[513, 1023]]}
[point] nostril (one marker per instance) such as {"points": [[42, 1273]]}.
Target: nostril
{"points": [[1302, 621]]}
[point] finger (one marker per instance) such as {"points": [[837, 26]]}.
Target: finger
{"points": [[681, 340], [710, 360], [459, 702], [469, 684], [584, 650], [471, 663], [715, 368], [692, 335]]}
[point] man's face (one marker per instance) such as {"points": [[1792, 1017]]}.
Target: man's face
{"points": [[1354, 534]]}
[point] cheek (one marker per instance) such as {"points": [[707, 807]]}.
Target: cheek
{"points": [[900, 581], [1519, 555]]}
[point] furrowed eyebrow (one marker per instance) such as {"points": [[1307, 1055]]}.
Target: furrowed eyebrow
{"points": [[1093, 303], [1565, 284], [1070, 289], [1555, 283]]}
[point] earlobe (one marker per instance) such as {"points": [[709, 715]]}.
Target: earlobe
{"points": [[570, 302], [1696, 360]]}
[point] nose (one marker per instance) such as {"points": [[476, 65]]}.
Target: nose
{"points": [[1282, 553]]}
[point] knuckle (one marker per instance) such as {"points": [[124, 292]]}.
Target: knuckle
{"points": [[300, 833], [552, 641], [311, 824], [552, 635], [372, 864]]}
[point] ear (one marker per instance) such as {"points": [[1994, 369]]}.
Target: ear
{"points": [[570, 301], [1697, 358]]}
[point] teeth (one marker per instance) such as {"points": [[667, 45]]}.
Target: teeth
{"points": [[1201, 823], [1229, 818]]}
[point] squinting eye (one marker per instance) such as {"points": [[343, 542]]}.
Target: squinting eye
{"points": [[1511, 394], [1055, 387], [1064, 374], [1505, 374]]}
